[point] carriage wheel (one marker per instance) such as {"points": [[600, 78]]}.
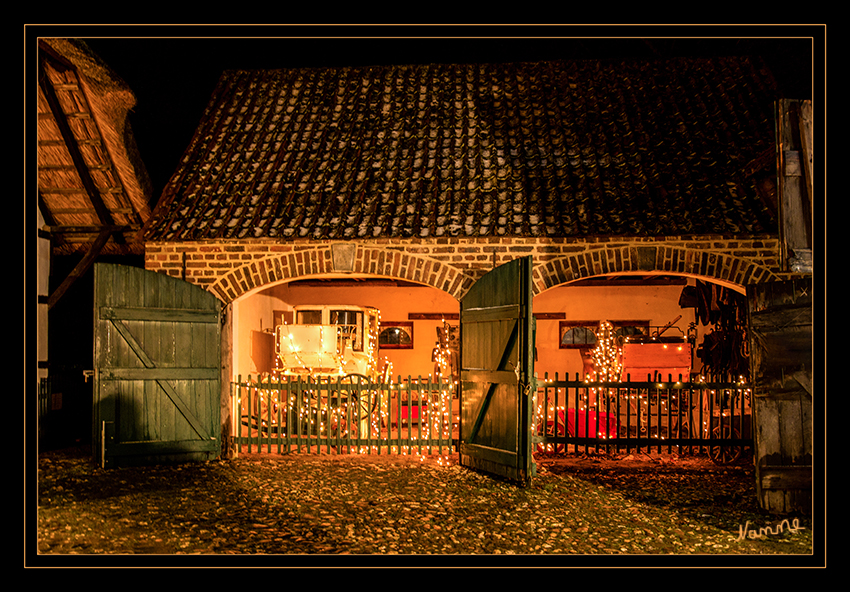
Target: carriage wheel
{"points": [[259, 418], [362, 395], [352, 418], [723, 455]]}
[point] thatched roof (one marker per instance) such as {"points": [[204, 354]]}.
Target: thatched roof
{"points": [[91, 181], [553, 149]]}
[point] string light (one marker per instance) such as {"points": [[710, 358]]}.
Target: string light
{"points": [[607, 363], [325, 418]]}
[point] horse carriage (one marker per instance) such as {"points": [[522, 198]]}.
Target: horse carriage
{"points": [[328, 371]]}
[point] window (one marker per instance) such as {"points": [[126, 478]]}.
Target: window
{"points": [[625, 331], [397, 335], [309, 317], [350, 326], [582, 334], [577, 334]]}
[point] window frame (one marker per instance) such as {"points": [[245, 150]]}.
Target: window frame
{"points": [[357, 337], [593, 327], [406, 326]]}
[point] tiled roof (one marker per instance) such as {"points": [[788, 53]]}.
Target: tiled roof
{"points": [[559, 149]]}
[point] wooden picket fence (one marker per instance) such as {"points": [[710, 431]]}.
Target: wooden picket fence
{"points": [[351, 415], [419, 416]]}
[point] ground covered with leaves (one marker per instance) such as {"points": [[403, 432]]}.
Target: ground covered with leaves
{"points": [[320, 506]]}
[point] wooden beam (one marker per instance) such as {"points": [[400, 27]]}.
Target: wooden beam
{"points": [[432, 316], [73, 148], [78, 190], [612, 281], [71, 144], [354, 283], [550, 316], [80, 268], [60, 230], [804, 115], [794, 200], [46, 214]]}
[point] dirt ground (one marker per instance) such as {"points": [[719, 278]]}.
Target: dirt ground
{"points": [[333, 508]]}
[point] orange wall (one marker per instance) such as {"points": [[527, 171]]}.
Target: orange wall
{"points": [[656, 304], [395, 303]]}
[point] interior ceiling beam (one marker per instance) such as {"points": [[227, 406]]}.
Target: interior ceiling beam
{"points": [[354, 282], [433, 316], [604, 281], [631, 280]]}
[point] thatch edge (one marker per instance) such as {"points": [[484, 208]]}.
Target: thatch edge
{"points": [[111, 100]]}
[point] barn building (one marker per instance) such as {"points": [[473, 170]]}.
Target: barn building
{"points": [[621, 179], [626, 182], [650, 194]]}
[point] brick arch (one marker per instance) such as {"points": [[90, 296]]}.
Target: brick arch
{"points": [[311, 261], [723, 267], [403, 265]]}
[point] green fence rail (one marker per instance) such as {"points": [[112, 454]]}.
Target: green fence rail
{"points": [[661, 415], [344, 415], [352, 415]]}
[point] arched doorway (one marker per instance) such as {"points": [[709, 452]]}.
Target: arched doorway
{"points": [[400, 408], [680, 308], [410, 313], [671, 350]]}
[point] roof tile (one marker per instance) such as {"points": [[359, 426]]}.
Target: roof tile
{"points": [[557, 149]]}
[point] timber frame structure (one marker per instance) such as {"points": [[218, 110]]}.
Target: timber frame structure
{"points": [[93, 189]]}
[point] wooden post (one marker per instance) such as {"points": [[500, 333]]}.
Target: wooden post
{"points": [[794, 169]]}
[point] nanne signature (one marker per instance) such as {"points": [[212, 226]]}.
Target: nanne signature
{"points": [[745, 532]]}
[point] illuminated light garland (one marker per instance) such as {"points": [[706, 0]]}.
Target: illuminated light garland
{"points": [[644, 399], [607, 364], [435, 412]]}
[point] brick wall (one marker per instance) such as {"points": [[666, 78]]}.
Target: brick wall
{"points": [[230, 269]]}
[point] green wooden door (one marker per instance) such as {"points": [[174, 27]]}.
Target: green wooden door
{"points": [[497, 372], [157, 368]]}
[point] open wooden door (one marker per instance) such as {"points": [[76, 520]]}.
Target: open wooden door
{"points": [[157, 368], [497, 372]]}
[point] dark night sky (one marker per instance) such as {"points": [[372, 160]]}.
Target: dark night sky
{"points": [[173, 71]]}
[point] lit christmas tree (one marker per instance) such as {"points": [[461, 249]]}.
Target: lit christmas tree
{"points": [[607, 354], [607, 364]]}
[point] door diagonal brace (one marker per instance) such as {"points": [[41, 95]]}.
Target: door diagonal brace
{"points": [[165, 385], [482, 411]]}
